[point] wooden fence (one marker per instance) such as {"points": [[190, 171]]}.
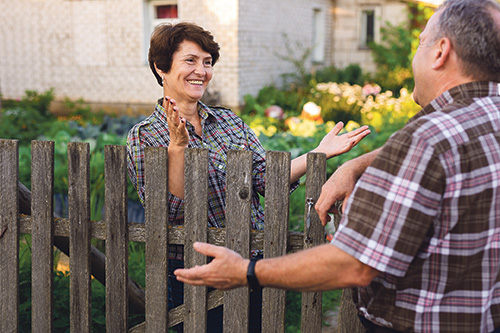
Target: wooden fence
{"points": [[155, 232]]}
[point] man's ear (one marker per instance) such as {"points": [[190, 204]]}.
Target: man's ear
{"points": [[442, 53]]}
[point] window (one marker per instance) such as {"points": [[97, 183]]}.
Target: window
{"points": [[368, 27], [166, 12], [318, 51], [157, 12]]}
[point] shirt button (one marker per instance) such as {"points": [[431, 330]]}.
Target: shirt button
{"points": [[220, 166]]}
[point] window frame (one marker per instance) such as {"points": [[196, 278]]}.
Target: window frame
{"points": [[363, 32], [150, 20], [319, 35]]}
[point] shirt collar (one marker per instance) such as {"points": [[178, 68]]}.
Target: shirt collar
{"points": [[476, 89]]}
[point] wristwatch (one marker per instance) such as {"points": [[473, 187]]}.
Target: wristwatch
{"points": [[253, 282]]}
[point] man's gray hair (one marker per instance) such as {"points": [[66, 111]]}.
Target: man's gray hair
{"points": [[474, 34]]}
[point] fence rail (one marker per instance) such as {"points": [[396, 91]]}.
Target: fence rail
{"points": [[155, 232]]}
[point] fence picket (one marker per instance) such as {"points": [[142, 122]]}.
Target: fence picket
{"points": [[275, 240], [9, 236], [115, 193], [238, 210], [42, 261], [79, 240], [195, 221], [312, 301], [157, 233]]}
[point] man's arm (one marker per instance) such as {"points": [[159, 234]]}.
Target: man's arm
{"points": [[341, 184], [321, 268]]}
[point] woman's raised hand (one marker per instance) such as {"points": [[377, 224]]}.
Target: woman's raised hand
{"points": [[333, 144], [179, 135]]}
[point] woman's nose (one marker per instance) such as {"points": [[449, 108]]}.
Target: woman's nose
{"points": [[200, 69]]}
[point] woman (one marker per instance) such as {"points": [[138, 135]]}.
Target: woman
{"points": [[182, 57]]}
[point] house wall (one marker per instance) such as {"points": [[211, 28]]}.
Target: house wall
{"points": [[271, 30], [95, 50], [84, 49], [347, 24]]}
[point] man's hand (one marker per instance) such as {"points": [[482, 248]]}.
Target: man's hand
{"points": [[341, 184], [226, 271], [337, 188]]}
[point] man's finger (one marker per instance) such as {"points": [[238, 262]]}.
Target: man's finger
{"points": [[207, 249]]}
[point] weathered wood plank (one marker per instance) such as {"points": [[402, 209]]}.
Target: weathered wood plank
{"points": [[9, 236], [311, 320], [79, 244], [97, 258], [157, 232], [137, 233], [215, 298], [238, 210], [115, 193], [276, 227], [42, 261], [195, 221]]}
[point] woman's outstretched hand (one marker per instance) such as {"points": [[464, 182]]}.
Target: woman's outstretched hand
{"points": [[179, 135], [334, 145]]}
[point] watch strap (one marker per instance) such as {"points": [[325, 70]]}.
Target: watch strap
{"points": [[253, 282]]}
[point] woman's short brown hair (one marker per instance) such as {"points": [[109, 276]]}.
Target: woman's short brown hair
{"points": [[165, 41]]}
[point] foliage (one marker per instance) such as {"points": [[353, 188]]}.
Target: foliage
{"points": [[61, 291], [383, 112], [330, 301], [352, 74], [293, 98], [339, 102], [29, 119], [291, 101], [394, 54], [24, 119]]}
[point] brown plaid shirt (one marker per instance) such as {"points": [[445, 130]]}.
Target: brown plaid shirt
{"points": [[426, 214]]}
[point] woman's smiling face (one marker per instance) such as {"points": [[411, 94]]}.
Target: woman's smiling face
{"points": [[190, 73]]}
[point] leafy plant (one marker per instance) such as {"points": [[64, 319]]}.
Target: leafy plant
{"points": [[25, 119], [352, 74], [394, 54], [61, 290]]}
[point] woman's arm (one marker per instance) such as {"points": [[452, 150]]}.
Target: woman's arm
{"points": [[331, 145]]}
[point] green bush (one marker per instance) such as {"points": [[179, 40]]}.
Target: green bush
{"points": [[29, 119], [61, 290], [25, 119], [394, 54], [352, 74]]}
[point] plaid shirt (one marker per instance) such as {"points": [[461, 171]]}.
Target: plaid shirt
{"points": [[222, 130], [426, 214]]}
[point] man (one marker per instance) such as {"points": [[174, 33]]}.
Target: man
{"points": [[420, 236]]}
